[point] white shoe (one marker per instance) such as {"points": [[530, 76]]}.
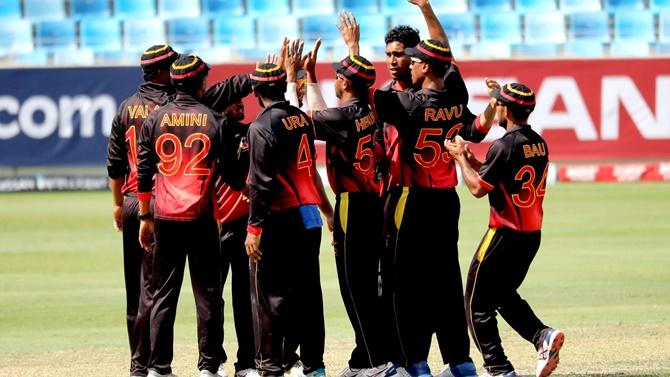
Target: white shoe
{"points": [[153, 373], [249, 372], [221, 372], [547, 354], [297, 370], [389, 369], [351, 372], [508, 374], [206, 373]]}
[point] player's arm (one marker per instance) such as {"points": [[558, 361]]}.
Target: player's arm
{"points": [[459, 151], [435, 29], [351, 32], [262, 176], [293, 62], [476, 128], [117, 167], [147, 166], [313, 96], [226, 92], [325, 206], [391, 106]]}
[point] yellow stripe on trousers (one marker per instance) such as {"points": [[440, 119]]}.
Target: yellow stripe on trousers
{"points": [[400, 208], [481, 252], [344, 210]]}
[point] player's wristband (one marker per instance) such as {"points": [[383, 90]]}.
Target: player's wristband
{"points": [[255, 230], [146, 216]]}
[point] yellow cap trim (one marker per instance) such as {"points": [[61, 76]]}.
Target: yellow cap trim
{"points": [[353, 58], [509, 87], [268, 70], [191, 64], [165, 47], [445, 49]]}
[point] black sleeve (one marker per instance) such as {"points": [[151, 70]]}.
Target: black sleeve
{"points": [[328, 125], [235, 164], [226, 92], [491, 170], [394, 107], [262, 172], [453, 81], [147, 159], [117, 155]]}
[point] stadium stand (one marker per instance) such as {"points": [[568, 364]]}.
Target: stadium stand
{"points": [[116, 30]]}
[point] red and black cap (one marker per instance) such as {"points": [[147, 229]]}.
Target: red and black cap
{"points": [[515, 95], [356, 68], [431, 51], [267, 74], [188, 69], [158, 57]]}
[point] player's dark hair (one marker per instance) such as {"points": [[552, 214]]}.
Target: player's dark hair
{"points": [[404, 34], [439, 69], [275, 92], [519, 114], [360, 90]]}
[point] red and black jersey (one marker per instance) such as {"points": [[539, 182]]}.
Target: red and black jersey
{"points": [[423, 120], [353, 142], [122, 148], [181, 143], [282, 165], [515, 171], [456, 88], [231, 203]]}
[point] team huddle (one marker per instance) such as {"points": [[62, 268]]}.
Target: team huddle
{"points": [[191, 181]]}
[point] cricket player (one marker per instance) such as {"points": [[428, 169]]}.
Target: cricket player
{"points": [[284, 229], [514, 176], [181, 145], [155, 91], [424, 250]]}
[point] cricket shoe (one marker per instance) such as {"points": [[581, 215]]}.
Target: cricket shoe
{"points": [[420, 369], [386, 370], [465, 369], [351, 372], [206, 373], [153, 373], [547, 354], [508, 374], [297, 370], [317, 373], [221, 372], [249, 372]]}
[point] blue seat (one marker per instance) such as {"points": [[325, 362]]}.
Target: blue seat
{"points": [[10, 9], [634, 25], [358, 6], [310, 7], [188, 34], [375, 28], [543, 50], [235, 31], [416, 21], [584, 49], [89, 8], [224, 8], [215, 55], [54, 35], [134, 8], [664, 26], [630, 49], [546, 27], [76, 57], [100, 34], [535, 5], [623, 4], [323, 26], [271, 31], [392, 7], [32, 58], [40, 10], [460, 27], [659, 4], [15, 36], [589, 26], [138, 35], [500, 27], [178, 8], [251, 54], [118, 57], [267, 7], [570, 6], [491, 50], [491, 5], [662, 49]]}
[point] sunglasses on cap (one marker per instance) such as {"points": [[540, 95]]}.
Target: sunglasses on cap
{"points": [[415, 60]]}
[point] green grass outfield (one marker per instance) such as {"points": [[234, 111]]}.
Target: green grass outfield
{"points": [[602, 275]]}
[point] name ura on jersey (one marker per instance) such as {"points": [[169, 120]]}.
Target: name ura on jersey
{"points": [[294, 121]]}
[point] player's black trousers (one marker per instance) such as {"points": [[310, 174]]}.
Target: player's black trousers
{"points": [[137, 265], [498, 268], [358, 224], [234, 256], [197, 240], [421, 230], [286, 294]]}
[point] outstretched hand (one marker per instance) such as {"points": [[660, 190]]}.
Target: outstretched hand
{"points": [[419, 3], [294, 59], [311, 57], [492, 85], [350, 30]]}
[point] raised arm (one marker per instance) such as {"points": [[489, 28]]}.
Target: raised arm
{"points": [[293, 62], [315, 99], [351, 32], [435, 29]]}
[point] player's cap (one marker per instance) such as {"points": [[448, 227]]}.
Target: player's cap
{"points": [[158, 57], [356, 68], [515, 95], [268, 75], [188, 70], [431, 51]]}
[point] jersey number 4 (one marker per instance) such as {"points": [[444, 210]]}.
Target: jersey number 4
{"points": [[169, 150], [529, 192], [304, 155]]}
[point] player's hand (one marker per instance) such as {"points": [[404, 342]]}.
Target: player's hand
{"points": [[310, 59], [118, 223], [294, 59], [419, 3], [252, 243], [455, 147], [147, 235], [330, 222], [492, 85], [350, 30]]}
